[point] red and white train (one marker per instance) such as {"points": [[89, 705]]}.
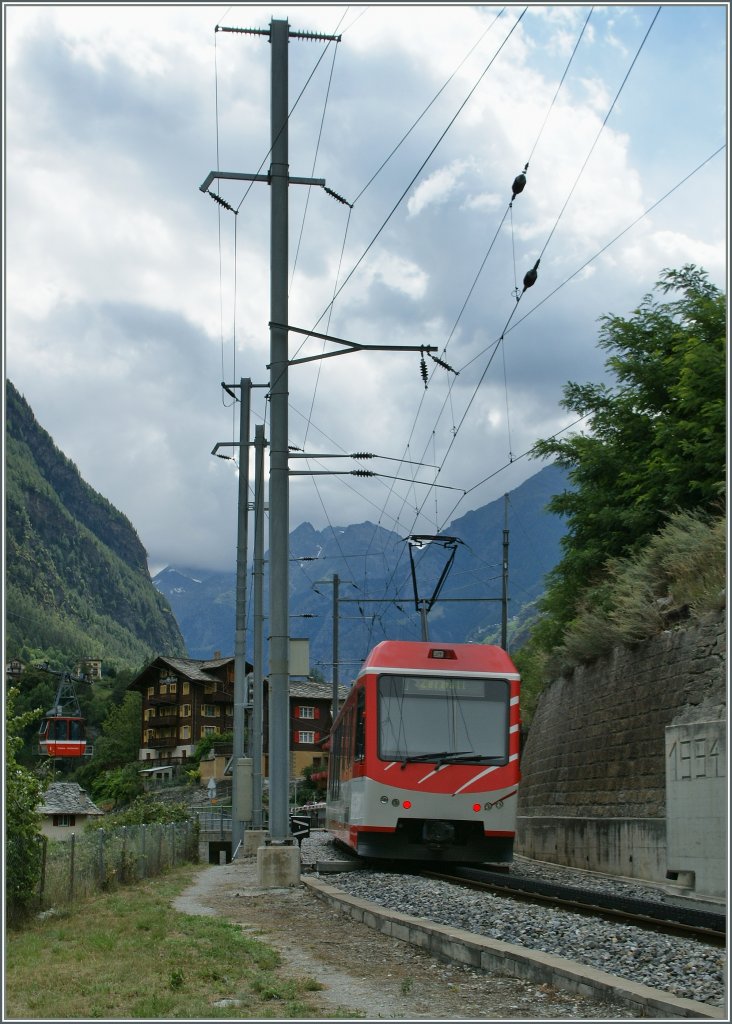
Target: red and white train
{"points": [[424, 755]]}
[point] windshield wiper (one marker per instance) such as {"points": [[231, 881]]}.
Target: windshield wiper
{"points": [[460, 756], [439, 758]]}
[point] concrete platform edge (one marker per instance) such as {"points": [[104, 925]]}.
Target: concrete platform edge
{"points": [[487, 955]]}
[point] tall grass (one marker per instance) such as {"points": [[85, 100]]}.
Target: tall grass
{"points": [[130, 955], [680, 574]]}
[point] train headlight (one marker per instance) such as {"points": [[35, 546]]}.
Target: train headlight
{"points": [[395, 802], [407, 804], [488, 805], [384, 800]]}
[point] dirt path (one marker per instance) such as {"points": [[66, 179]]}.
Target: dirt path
{"points": [[365, 973]]}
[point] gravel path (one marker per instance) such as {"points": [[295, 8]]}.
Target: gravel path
{"points": [[366, 974]]}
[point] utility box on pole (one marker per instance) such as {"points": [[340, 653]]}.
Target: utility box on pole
{"points": [[242, 772]]}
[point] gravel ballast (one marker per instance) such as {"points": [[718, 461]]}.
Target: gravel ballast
{"points": [[684, 967]]}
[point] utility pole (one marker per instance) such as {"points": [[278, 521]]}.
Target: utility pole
{"points": [[504, 597], [240, 633], [336, 581], [278, 472], [256, 737]]}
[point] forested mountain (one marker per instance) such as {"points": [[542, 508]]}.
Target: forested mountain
{"points": [[76, 579], [373, 563]]}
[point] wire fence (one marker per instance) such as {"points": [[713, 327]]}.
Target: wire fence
{"points": [[90, 862]]}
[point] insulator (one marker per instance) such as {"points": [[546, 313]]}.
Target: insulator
{"points": [[335, 195], [362, 472], [519, 183], [444, 365], [423, 371], [363, 455], [221, 202], [531, 275]]}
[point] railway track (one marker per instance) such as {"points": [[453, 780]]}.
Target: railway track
{"points": [[703, 925]]}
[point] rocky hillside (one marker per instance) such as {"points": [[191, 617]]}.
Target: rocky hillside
{"points": [[76, 580]]}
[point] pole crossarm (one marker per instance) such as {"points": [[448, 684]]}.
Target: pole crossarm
{"points": [[241, 176], [367, 473], [359, 455], [350, 346], [229, 389]]}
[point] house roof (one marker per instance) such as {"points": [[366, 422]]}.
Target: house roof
{"points": [[194, 669], [67, 798], [315, 690]]}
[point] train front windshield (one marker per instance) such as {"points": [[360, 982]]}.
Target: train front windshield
{"points": [[421, 716]]}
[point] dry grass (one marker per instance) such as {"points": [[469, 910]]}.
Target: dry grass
{"points": [[129, 954], [680, 574]]}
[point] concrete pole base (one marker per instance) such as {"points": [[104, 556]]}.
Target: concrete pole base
{"points": [[278, 866], [253, 839]]}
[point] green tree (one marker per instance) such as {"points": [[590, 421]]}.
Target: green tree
{"points": [[655, 439], [117, 746], [23, 794]]}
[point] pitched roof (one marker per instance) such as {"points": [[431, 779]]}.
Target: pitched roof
{"points": [[67, 798], [315, 690]]}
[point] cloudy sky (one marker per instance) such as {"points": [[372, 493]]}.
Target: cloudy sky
{"points": [[130, 294]]}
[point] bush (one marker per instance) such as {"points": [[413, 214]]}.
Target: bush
{"points": [[23, 794], [144, 810]]}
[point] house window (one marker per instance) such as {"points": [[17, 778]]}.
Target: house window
{"points": [[163, 687], [186, 687], [172, 687], [209, 687], [185, 732], [64, 820], [305, 712], [208, 730], [305, 737], [210, 711], [149, 713], [151, 691], [185, 711]]}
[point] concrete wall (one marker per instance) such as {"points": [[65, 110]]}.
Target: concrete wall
{"points": [[593, 793], [696, 807]]}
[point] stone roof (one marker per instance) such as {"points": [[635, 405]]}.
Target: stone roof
{"points": [[315, 690], [67, 798]]}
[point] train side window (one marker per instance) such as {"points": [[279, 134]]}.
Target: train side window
{"points": [[360, 745]]}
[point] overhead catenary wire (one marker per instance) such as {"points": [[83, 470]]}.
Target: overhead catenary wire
{"points": [[530, 276], [518, 320]]}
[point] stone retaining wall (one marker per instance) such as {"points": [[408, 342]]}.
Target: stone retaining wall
{"points": [[593, 793]]}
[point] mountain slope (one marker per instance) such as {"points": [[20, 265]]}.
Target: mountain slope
{"points": [[371, 563], [76, 580]]}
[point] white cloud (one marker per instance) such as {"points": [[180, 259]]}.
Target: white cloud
{"points": [[124, 288]]}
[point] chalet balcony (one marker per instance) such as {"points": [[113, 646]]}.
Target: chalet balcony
{"points": [[218, 696], [163, 698], [161, 742]]}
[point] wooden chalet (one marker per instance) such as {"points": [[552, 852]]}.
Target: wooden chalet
{"points": [[184, 699]]}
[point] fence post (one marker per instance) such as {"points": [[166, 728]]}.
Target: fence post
{"points": [[123, 861], [160, 848], [71, 867], [101, 858], [44, 851], [143, 857]]}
